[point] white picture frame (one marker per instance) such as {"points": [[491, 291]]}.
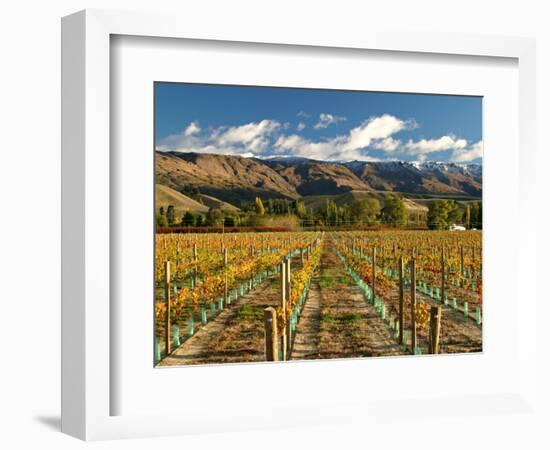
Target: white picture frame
{"points": [[87, 324]]}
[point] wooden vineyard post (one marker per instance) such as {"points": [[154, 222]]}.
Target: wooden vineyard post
{"points": [[251, 279], [288, 290], [195, 261], [373, 274], [225, 273], [413, 305], [283, 307], [177, 257], [462, 265], [435, 327], [442, 273], [401, 300], [167, 298], [270, 326]]}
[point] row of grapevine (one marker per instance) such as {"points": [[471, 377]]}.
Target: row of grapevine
{"points": [[200, 277], [280, 323], [382, 264], [443, 270]]}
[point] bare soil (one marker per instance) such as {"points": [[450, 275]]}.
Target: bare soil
{"points": [[347, 326], [236, 334]]}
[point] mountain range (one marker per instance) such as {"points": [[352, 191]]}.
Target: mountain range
{"points": [[231, 179]]}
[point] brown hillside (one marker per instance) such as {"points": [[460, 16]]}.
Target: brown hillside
{"points": [[403, 177], [228, 178], [212, 202], [319, 178], [166, 196]]}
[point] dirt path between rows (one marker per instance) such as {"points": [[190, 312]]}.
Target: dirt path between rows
{"points": [[235, 335], [306, 340], [459, 333], [343, 325]]}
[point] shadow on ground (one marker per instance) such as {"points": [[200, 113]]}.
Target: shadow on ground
{"points": [[51, 422]]}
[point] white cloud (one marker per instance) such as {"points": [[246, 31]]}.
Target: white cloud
{"points": [[249, 132], [192, 128], [425, 146], [265, 137], [468, 154], [298, 146], [388, 144], [249, 139], [375, 132], [376, 128], [303, 114], [327, 119]]}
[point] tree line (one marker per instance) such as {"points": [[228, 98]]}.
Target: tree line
{"points": [[442, 214]]}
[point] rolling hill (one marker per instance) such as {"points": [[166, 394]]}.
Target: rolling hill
{"points": [[212, 202], [167, 196], [224, 181], [227, 178]]}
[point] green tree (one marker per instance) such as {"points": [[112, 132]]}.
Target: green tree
{"points": [[171, 215], [288, 207], [344, 214], [476, 215], [437, 215], [365, 210], [199, 221], [188, 219], [455, 214], [260, 210], [161, 220], [214, 218], [310, 219], [331, 213], [300, 209], [444, 213], [246, 205], [394, 211], [229, 221]]}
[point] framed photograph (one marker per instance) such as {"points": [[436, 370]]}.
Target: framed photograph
{"points": [[251, 212], [286, 235]]}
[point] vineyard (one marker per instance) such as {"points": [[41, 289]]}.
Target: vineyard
{"points": [[243, 297]]}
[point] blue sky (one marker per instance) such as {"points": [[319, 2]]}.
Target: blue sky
{"points": [[316, 123]]}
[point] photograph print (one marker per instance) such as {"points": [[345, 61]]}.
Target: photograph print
{"points": [[311, 224]]}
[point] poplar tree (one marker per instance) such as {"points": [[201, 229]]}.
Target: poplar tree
{"points": [[260, 210]]}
